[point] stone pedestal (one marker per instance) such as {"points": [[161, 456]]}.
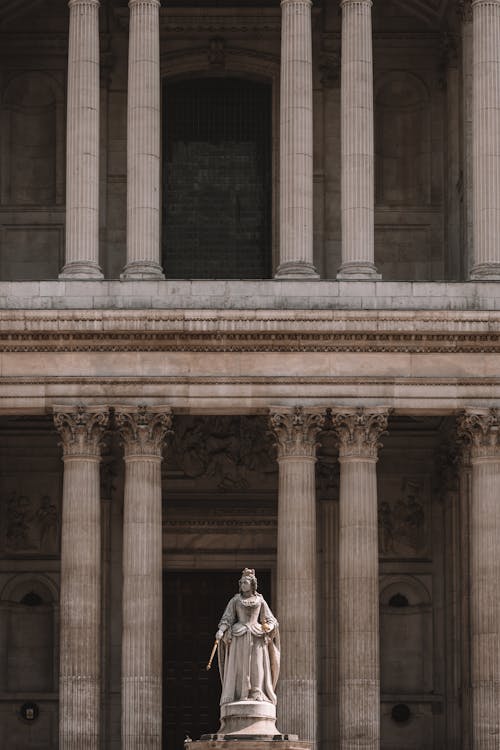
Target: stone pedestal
{"points": [[250, 744], [243, 718]]}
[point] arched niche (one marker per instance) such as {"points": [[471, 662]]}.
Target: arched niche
{"points": [[402, 141], [28, 634], [221, 61], [406, 652], [32, 138]]}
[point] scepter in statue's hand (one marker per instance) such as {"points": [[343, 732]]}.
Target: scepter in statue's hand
{"points": [[214, 649]]}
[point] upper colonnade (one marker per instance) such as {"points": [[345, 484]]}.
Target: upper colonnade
{"points": [[296, 184]]}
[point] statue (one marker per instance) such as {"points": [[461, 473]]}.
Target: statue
{"points": [[248, 638], [249, 661]]}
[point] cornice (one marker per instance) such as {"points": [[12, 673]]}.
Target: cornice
{"points": [[249, 331]]}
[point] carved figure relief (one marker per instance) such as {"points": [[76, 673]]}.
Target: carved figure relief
{"points": [[223, 450], [403, 522], [31, 524]]}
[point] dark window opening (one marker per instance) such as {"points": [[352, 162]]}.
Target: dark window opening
{"points": [[217, 182], [398, 600], [32, 600]]}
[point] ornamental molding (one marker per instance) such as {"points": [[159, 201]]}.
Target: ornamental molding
{"points": [[296, 430], [82, 429], [252, 331], [358, 431], [213, 21], [143, 429]]}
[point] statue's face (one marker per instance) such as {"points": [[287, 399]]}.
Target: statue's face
{"points": [[245, 585]]}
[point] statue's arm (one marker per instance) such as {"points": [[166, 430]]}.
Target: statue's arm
{"points": [[267, 617], [227, 620]]}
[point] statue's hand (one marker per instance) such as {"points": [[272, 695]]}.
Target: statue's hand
{"points": [[219, 635]]}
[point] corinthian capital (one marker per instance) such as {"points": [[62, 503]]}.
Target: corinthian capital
{"points": [[479, 429], [296, 430], [143, 429], [359, 430], [81, 429]]}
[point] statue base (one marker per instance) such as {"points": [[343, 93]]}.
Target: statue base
{"points": [[248, 725]]}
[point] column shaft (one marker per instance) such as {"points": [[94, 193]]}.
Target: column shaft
{"points": [[357, 142], [82, 143], [80, 601], [486, 138], [142, 431], [467, 215], [143, 142], [329, 712], [296, 432], [485, 607], [358, 431], [142, 605], [481, 430], [296, 142]]}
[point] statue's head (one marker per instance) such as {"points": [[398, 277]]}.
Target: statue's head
{"points": [[248, 579]]}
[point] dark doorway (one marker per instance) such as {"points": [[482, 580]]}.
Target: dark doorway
{"points": [[217, 193], [193, 603]]}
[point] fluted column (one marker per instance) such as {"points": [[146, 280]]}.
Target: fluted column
{"points": [[358, 432], [81, 431], [465, 14], [296, 142], [296, 431], [143, 142], [357, 142], [82, 143], [143, 431], [486, 138], [481, 428]]}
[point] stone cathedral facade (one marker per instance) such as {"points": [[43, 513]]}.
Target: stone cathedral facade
{"points": [[250, 316]]}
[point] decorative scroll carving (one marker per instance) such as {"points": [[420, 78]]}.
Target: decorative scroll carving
{"points": [[143, 429], [225, 449], [479, 430], [296, 430], [464, 10], [403, 523], [359, 430], [81, 429]]}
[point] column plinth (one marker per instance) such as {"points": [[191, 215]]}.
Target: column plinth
{"points": [[357, 143], [481, 430], [80, 606], [143, 431], [486, 139], [143, 142], [358, 432], [296, 142], [82, 143], [296, 431]]}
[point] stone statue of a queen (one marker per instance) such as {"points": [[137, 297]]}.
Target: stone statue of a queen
{"points": [[249, 661]]}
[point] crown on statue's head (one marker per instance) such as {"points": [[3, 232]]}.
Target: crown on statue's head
{"points": [[248, 572]]}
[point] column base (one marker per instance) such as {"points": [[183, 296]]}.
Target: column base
{"points": [[357, 270], [296, 270], [485, 272], [81, 270], [217, 742], [142, 270]]}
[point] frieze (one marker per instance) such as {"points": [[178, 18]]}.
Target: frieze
{"points": [[30, 524]]}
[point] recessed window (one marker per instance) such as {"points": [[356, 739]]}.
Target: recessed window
{"points": [[398, 600]]}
